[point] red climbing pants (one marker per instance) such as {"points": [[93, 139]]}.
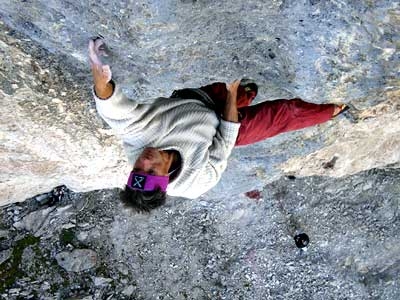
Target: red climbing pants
{"points": [[270, 118]]}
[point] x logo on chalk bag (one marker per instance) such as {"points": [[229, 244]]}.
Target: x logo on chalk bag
{"points": [[140, 181]]}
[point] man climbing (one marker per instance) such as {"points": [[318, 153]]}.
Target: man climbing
{"points": [[180, 145]]}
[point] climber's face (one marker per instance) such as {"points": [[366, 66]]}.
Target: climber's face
{"points": [[153, 162]]}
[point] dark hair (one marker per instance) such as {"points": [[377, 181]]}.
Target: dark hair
{"points": [[253, 87], [142, 201]]}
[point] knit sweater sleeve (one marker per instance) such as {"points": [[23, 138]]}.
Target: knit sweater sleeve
{"points": [[219, 152], [118, 111], [223, 143]]}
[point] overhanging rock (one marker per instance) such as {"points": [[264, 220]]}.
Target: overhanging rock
{"points": [[321, 51]]}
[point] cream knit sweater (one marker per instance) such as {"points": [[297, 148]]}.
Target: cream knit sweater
{"points": [[203, 140]]}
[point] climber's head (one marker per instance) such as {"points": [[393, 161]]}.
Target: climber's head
{"points": [[142, 201], [148, 181]]}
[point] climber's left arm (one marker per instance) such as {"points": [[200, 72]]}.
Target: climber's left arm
{"points": [[113, 106], [103, 86]]}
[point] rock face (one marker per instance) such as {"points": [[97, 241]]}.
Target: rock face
{"points": [[77, 260], [375, 142], [322, 51], [337, 182], [201, 249], [49, 134]]}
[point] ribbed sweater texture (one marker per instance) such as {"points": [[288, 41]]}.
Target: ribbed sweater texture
{"points": [[203, 140]]}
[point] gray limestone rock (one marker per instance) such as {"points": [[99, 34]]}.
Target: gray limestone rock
{"points": [[4, 234], [128, 291], [35, 220], [77, 260], [4, 255], [222, 248], [337, 182], [322, 51], [101, 281]]}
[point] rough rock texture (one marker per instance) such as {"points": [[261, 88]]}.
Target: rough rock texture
{"points": [[342, 179], [322, 51], [49, 134], [372, 143], [92, 248], [77, 260]]}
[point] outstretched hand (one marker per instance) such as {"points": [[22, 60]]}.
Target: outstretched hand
{"points": [[97, 48], [230, 112], [232, 90], [101, 73]]}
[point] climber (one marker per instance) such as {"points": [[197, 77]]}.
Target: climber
{"points": [[180, 145]]}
